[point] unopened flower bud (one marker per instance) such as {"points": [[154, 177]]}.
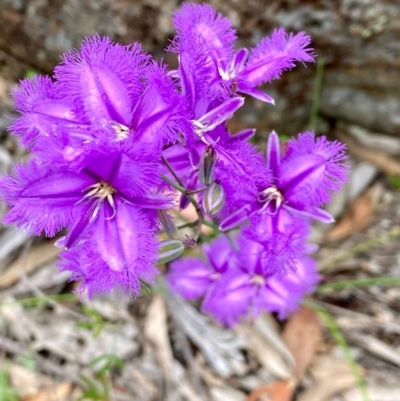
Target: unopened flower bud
{"points": [[169, 250], [168, 224], [207, 165], [214, 198]]}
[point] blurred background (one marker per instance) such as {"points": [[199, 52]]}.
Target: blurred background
{"points": [[344, 346]]}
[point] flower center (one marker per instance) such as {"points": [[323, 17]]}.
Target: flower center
{"points": [[100, 190], [270, 197], [258, 280], [103, 191], [121, 130]]}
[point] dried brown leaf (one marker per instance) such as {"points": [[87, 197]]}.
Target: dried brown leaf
{"points": [[278, 391], [332, 375], [358, 217], [156, 331], [59, 392], [302, 334], [379, 159], [27, 381], [266, 344], [324, 389]]}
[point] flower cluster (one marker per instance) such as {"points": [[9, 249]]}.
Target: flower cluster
{"points": [[233, 282], [114, 135]]}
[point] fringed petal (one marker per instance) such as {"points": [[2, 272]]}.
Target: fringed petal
{"points": [[273, 153], [43, 198], [332, 158], [42, 112], [275, 54], [201, 24], [229, 299], [161, 115], [104, 79], [190, 277]]}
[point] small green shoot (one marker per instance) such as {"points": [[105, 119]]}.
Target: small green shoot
{"points": [[7, 393], [27, 361], [94, 390], [30, 73], [105, 363], [394, 181], [40, 301], [98, 389], [96, 323]]}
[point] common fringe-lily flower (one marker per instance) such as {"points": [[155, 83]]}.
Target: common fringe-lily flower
{"points": [[302, 179], [97, 134], [207, 37], [109, 204], [234, 282]]}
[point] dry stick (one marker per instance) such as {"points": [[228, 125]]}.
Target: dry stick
{"points": [[188, 355], [379, 159], [37, 291]]}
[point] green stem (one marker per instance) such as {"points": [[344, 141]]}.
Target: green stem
{"points": [[363, 246], [172, 171], [363, 282], [195, 191], [193, 201], [316, 94]]}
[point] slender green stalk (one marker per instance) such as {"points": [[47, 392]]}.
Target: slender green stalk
{"points": [[195, 191], [194, 223], [363, 246], [341, 341], [34, 301], [231, 241], [172, 171], [316, 94], [362, 282], [193, 201]]}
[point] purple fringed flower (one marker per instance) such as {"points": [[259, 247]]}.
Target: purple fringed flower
{"points": [[95, 172], [282, 239], [201, 29], [109, 207], [104, 91], [302, 179], [192, 277], [269, 59], [248, 290], [242, 286], [104, 80], [43, 109]]}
